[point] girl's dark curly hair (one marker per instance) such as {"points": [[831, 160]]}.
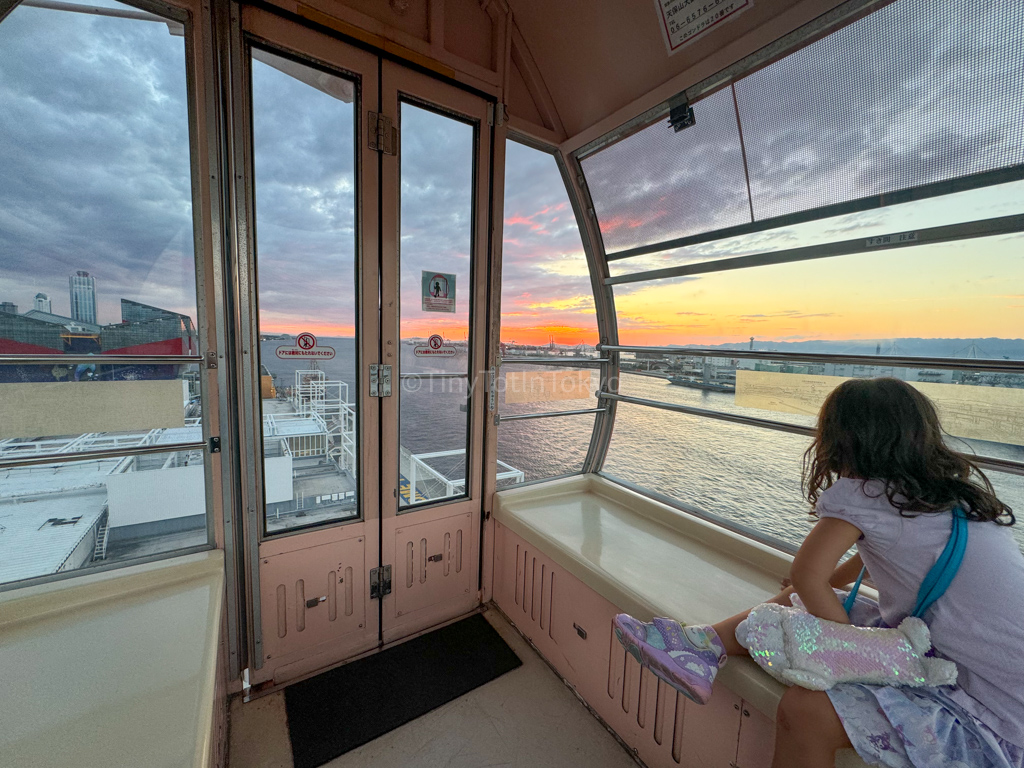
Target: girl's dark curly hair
{"points": [[884, 429]]}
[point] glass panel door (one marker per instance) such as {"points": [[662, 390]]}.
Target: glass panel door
{"points": [[313, 262], [435, 202], [359, 258]]}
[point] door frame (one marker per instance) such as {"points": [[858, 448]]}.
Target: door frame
{"points": [[378, 275], [271, 32]]}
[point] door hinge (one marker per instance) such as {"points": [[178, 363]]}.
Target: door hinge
{"points": [[380, 380], [380, 582], [381, 133], [496, 114]]}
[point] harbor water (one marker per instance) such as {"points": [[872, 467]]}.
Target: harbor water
{"points": [[746, 475]]}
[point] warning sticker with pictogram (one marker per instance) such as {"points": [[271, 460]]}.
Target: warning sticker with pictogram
{"points": [[435, 347], [438, 291], [305, 347]]}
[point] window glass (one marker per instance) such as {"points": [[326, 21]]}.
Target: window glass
{"points": [[658, 184], [866, 109], [534, 449], [979, 411], [547, 310], [863, 111], [66, 515], [741, 474], [547, 302], [305, 189], [96, 193], [954, 299], [96, 232], [437, 207]]}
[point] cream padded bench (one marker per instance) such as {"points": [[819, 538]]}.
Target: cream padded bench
{"points": [[115, 669], [570, 554]]}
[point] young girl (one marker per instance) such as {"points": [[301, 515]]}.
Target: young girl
{"points": [[879, 476]]}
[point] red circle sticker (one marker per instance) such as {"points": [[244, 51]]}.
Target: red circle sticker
{"points": [[305, 341], [435, 341]]}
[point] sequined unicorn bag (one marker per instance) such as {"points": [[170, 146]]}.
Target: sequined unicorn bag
{"points": [[797, 648]]}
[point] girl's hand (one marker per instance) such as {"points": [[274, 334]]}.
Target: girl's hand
{"points": [[815, 564], [786, 582]]}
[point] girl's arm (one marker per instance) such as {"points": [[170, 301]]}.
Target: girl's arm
{"points": [[815, 564], [844, 575], [847, 573]]}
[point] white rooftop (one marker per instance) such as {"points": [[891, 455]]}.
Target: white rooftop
{"points": [[57, 478], [32, 545]]}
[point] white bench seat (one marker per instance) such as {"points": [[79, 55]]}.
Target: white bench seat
{"points": [[114, 669], [646, 559], [650, 560]]}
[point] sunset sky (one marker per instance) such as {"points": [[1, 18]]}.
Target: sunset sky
{"points": [[96, 177]]}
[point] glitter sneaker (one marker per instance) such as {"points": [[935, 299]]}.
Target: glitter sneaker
{"points": [[687, 658]]}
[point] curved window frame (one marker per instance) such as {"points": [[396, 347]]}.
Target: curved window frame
{"points": [[606, 366], [611, 349]]}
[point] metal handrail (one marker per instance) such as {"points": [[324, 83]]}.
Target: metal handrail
{"points": [[555, 360], [859, 205], [881, 361], [100, 359], [778, 426], [433, 376], [1002, 225], [548, 414], [985, 462], [105, 453]]}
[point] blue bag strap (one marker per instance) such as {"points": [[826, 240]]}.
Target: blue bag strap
{"points": [[941, 575], [852, 597]]}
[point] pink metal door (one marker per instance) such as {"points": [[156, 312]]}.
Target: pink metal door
{"points": [[434, 225], [367, 247]]}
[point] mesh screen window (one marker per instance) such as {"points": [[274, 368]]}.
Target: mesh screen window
{"points": [[917, 92]]}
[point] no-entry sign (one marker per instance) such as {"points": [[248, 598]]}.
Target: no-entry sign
{"points": [[305, 347]]}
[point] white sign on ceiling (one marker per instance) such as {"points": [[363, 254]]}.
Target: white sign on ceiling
{"points": [[685, 20]]}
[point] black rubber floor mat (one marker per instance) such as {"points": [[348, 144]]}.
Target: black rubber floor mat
{"points": [[346, 707]]}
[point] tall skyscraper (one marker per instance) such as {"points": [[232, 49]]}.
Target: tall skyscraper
{"points": [[83, 297], [42, 303]]}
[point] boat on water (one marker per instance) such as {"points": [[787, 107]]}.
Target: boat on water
{"points": [[693, 383], [330, 334]]}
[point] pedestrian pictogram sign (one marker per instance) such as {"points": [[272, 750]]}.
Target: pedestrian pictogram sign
{"points": [[438, 291]]}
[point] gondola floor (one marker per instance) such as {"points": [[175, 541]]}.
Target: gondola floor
{"points": [[526, 718], [346, 707]]}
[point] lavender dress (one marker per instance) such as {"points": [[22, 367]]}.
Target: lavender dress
{"points": [[979, 723], [915, 727]]}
